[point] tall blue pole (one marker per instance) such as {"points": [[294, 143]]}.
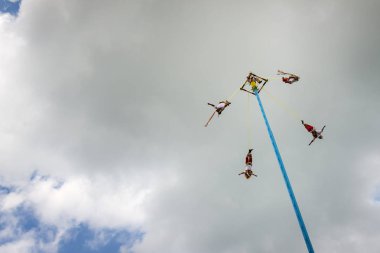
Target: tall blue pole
{"points": [[287, 182]]}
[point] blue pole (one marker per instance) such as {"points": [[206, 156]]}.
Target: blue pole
{"points": [[287, 182]]}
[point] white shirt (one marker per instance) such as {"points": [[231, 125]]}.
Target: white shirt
{"points": [[221, 105]]}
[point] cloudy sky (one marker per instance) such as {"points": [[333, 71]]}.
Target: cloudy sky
{"points": [[102, 140]]}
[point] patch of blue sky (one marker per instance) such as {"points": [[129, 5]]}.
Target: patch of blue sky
{"points": [[6, 189], [86, 240], [10, 6], [27, 221], [81, 238], [26, 218], [36, 176], [377, 194], [5, 238]]}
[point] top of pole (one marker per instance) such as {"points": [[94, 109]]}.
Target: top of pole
{"points": [[254, 83]]}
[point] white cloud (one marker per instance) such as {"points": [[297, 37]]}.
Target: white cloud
{"points": [[97, 202], [12, 200], [78, 198]]}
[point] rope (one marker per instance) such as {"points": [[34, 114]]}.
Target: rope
{"points": [[294, 114], [229, 99], [249, 123], [274, 78], [233, 94]]}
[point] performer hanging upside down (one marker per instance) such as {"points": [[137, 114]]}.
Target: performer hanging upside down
{"points": [[288, 77], [248, 163], [313, 131], [221, 106], [218, 108]]}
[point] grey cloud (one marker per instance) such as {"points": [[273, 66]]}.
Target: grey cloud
{"points": [[121, 88]]}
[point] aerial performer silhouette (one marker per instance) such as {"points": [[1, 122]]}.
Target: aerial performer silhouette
{"points": [[253, 85], [316, 134], [219, 108], [301, 223], [248, 166], [288, 78]]}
